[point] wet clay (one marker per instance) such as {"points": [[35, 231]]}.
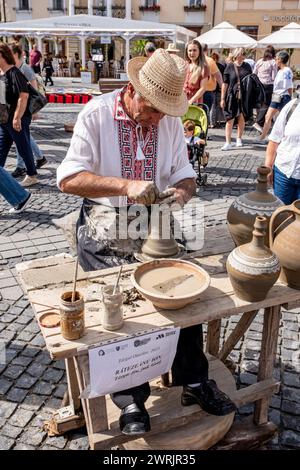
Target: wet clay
{"points": [[173, 282]]}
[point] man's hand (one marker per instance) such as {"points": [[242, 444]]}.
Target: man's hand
{"points": [[171, 196], [142, 192], [17, 124]]}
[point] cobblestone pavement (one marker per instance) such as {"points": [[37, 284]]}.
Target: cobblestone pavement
{"points": [[31, 385]]}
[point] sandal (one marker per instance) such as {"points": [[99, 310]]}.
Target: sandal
{"points": [[134, 420]]}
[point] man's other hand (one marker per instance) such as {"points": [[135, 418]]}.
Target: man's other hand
{"points": [[142, 192]]}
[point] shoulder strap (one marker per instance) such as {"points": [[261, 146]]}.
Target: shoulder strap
{"points": [[292, 109]]}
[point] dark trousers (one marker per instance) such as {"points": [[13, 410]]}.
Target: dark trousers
{"points": [[264, 107], [48, 78], [8, 135], [190, 364]]}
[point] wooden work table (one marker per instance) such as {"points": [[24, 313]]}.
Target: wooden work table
{"points": [[45, 279]]}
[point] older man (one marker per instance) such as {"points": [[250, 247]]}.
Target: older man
{"points": [[127, 147]]}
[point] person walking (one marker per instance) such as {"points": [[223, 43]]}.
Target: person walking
{"points": [[266, 70], [198, 72], [30, 76], [283, 153], [215, 79], [216, 112], [282, 92], [13, 192], [49, 70], [16, 129], [35, 58], [232, 96]]}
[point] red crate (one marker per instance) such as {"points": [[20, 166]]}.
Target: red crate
{"points": [[51, 98], [59, 98], [76, 99], [69, 99], [85, 98]]}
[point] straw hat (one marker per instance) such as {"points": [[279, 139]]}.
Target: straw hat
{"points": [[160, 80], [172, 48]]}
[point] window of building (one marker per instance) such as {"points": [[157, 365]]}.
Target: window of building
{"points": [[276, 28], [252, 31], [23, 4], [58, 5], [195, 3], [151, 3]]}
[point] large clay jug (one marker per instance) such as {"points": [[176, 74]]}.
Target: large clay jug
{"points": [[253, 268], [285, 242], [242, 212]]}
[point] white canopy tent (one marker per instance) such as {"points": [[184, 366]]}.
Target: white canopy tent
{"points": [[288, 37], [226, 36], [88, 26]]}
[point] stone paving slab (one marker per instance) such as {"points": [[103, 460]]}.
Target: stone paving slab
{"points": [[31, 385]]}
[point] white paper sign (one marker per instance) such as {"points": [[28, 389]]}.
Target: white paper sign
{"points": [[131, 362], [86, 77]]}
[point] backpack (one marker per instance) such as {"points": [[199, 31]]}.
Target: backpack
{"points": [[40, 85]]}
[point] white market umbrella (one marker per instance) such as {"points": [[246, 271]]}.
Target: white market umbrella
{"points": [[226, 36], [286, 37]]}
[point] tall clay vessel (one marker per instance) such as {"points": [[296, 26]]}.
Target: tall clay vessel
{"points": [[285, 242], [242, 212], [253, 268]]}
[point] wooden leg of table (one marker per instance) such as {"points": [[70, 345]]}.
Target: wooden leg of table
{"points": [[267, 357], [240, 329], [213, 337], [94, 408], [73, 387]]}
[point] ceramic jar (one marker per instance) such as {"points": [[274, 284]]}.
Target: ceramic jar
{"points": [[253, 268], [72, 315], [285, 242], [242, 212]]}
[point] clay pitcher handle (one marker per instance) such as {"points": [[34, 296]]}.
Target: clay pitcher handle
{"points": [[278, 211]]}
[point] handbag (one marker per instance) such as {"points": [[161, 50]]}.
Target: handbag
{"points": [[276, 98], [36, 100]]}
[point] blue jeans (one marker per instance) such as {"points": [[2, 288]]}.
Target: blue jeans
{"points": [[287, 189], [11, 190], [8, 135], [35, 150]]}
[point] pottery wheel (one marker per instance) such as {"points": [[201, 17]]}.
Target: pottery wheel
{"points": [[142, 257]]}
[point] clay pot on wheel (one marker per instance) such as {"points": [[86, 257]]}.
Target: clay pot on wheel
{"points": [[253, 268], [242, 212], [285, 242]]}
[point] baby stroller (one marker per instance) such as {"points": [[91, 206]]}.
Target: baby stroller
{"points": [[198, 156]]}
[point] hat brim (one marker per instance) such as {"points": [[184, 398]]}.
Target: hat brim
{"points": [[159, 102], [173, 50]]}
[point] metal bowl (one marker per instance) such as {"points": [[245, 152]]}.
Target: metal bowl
{"points": [[170, 283]]}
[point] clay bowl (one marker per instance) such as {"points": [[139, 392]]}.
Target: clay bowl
{"points": [[170, 283]]}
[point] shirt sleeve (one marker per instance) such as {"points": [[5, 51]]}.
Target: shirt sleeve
{"points": [[226, 75], [27, 72], [19, 82], [83, 153], [278, 130], [181, 168], [287, 79]]}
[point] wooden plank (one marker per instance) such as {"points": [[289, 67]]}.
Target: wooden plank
{"points": [[255, 392], [240, 329], [267, 356], [73, 387], [245, 435], [213, 337]]}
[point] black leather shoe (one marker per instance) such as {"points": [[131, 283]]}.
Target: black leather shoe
{"points": [[209, 397], [134, 420], [18, 172], [41, 162]]}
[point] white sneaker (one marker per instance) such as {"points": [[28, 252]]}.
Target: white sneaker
{"points": [[257, 127], [239, 143], [29, 181], [20, 207], [226, 147]]}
